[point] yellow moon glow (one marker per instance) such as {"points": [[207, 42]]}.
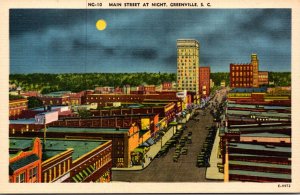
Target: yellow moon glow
{"points": [[101, 24]]}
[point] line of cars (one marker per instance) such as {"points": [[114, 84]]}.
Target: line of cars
{"points": [[175, 139], [181, 148], [204, 156]]}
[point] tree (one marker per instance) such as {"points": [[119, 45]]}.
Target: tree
{"points": [[83, 113], [34, 102]]}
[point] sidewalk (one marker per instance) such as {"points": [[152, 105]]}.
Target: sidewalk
{"points": [[154, 149], [212, 172]]}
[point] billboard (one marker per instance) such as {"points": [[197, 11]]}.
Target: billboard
{"points": [[46, 117]]}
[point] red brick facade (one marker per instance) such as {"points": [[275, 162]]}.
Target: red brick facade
{"points": [[263, 78], [16, 107], [204, 81], [30, 173], [167, 86], [241, 75], [62, 167]]}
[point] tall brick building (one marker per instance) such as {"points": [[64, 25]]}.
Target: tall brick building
{"points": [[263, 78], [247, 75], [204, 81], [241, 75]]}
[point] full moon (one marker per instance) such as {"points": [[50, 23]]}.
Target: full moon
{"points": [[101, 24]]}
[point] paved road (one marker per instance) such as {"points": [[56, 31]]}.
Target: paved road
{"points": [[163, 169]]}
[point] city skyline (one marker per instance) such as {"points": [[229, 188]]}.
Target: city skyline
{"points": [[145, 40]]}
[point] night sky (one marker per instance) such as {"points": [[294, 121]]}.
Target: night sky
{"points": [[62, 41]]}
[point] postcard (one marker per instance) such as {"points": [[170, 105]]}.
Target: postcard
{"points": [[101, 96]]}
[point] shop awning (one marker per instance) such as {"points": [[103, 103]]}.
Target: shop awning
{"points": [[150, 141], [145, 144]]}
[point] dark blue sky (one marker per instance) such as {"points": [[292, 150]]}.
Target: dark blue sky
{"points": [[61, 41]]}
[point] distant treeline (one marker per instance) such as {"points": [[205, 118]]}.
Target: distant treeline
{"points": [[76, 82]]}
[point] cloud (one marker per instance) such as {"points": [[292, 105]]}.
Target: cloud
{"points": [[144, 53], [135, 39]]}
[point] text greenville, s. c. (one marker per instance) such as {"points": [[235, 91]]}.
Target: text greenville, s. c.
{"points": [[149, 4]]}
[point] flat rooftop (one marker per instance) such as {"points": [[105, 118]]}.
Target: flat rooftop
{"points": [[262, 114], [52, 107], [57, 146], [85, 130], [256, 164], [249, 90], [19, 144], [57, 93], [80, 146], [260, 174], [233, 105], [255, 155], [23, 121], [262, 128], [270, 147], [266, 134], [125, 105]]}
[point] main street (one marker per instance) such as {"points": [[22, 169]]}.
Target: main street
{"points": [[163, 169]]}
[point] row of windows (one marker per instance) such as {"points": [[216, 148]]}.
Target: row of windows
{"points": [[241, 85], [186, 74], [186, 82], [33, 176], [17, 105], [191, 89], [22, 130], [188, 85], [182, 53], [263, 76], [15, 112], [114, 98], [185, 60], [186, 64], [241, 73], [102, 160], [242, 79], [241, 68], [56, 171], [186, 78], [186, 68]]}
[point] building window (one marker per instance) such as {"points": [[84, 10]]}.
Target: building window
{"points": [[21, 178], [33, 174]]}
